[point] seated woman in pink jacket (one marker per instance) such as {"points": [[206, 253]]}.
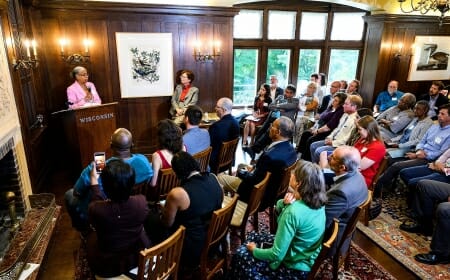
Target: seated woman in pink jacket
{"points": [[82, 93]]}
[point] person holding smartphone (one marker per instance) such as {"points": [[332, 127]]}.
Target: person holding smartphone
{"points": [[297, 242], [77, 198]]}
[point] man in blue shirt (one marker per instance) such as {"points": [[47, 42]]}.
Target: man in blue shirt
{"points": [[387, 98], [195, 139], [77, 199], [435, 142]]}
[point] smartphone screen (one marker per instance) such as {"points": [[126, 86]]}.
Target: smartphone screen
{"points": [[99, 159]]}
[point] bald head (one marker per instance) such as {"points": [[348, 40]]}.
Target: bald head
{"points": [[345, 159], [121, 140]]}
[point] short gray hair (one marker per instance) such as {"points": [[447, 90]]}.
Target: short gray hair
{"points": [[226, 104], [410, 99], [351, 158], [286, 127]]}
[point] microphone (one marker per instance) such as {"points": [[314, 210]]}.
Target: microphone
{"points": [[89, 89]]}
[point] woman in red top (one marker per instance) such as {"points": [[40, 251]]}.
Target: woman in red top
{"points": [[371, 147], [260, 113], [170, 142]]}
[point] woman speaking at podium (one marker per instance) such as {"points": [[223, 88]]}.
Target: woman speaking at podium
{"points": [[81, 93]]}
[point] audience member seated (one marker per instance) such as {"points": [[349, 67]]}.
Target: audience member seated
{"points": [[275, 90], [348, 191], [190, 205], [260, 113], [354, 135], [170, 142], [279, 155], [223, 130], [307, 106], [77, 199], [370, 147], [435, 142], [395, 119], [329, 120], [195, 139], [344, 86], [318, 93], [81, 93], [353, 88], [432, 199], [342, 132], [284, 105], [291, 253], [387, 98], [327, 99], [435, 99], [184, 95], [436, 171], [118, 221], [415, 130]]}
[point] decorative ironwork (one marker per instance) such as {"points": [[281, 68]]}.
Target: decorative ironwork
{"points": [[424, 6]]}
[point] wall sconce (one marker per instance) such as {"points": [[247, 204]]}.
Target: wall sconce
{"points": [[398, 53], [75, 58], [209, 54], [30, 61]]}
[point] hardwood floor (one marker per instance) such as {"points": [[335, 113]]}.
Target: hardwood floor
{"points": [[59, 263]]}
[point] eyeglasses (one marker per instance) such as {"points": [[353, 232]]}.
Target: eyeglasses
{"points": [[83, 75]]}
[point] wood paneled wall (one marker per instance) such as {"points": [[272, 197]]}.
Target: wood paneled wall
{"points": [[100, 21], [384, 33]]}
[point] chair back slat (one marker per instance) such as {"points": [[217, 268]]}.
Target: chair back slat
{"points": [[256, 197], [326, 246], [226, 156], [203, 158], [285, 177], [167, 180], [163, 259], [381, 169], [218, 228]]}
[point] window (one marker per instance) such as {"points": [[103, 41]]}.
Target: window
{"points": [[313, 26], [248, 24], [347, 26], [278, 61], [342, 65], [245, 73], [281, 25], [292, 40], [309, 62]]}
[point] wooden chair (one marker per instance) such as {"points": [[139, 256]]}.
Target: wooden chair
{"points": [[226, 156], [244, 210], [217, 231], [338, 259], [167, 180], [163, 259], [383, 166], [203, 158], [141, 188], [326, 246], [282, 189]]}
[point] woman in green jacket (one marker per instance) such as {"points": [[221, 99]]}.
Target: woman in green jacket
{"points": [[291, 252]]}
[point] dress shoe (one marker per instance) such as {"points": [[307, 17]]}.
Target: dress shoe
{"points": [[249, 151], [431, 259], [415, 227]]}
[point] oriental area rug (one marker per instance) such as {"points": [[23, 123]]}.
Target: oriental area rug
{"points": [[362, 266], [402, 245]]}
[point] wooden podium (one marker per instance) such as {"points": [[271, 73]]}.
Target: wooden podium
{"points": [[88, 130]]}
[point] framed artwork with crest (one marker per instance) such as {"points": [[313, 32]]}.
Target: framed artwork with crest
{"points": [[145, 64]]}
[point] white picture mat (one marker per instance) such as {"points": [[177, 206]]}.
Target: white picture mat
{"points": [[420, 53], [130, 86]]}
